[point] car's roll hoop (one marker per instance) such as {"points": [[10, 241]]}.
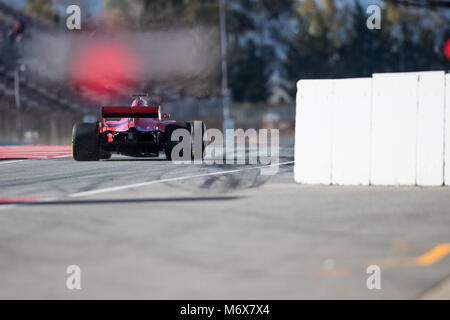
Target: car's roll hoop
{"points": [[139, 95]]}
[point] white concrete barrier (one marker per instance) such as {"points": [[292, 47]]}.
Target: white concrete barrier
{"points": [[385, 130], [447, 130], [313, 132], [430, 129], [394, 120], [350, 150]]}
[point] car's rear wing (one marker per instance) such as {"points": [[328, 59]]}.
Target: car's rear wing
{"points": [[131, 112]]}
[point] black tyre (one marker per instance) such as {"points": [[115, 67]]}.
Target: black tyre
{"points": [[105, 156], [171, 144], [85, 146], [191, 127]]}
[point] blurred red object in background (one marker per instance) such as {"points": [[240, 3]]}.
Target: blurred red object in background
{"points": [[104, 67]]}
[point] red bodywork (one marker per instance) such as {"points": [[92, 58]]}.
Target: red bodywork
{"points": [[146, 119], [134, 131]]}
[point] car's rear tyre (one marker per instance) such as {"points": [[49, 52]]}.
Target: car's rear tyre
{"points": [[105, 156], [171, 144], [192, 128], [85, 146]]}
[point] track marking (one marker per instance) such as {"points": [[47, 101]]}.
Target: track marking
{"points": [[427, 259], [18, 200], [16, 204], [143, 184], [434, 255], [17, 161], [59, 157], [34, 152], [10, 162], [87, 193]]}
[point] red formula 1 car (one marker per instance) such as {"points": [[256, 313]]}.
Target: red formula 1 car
{"points": [[136, 131]]}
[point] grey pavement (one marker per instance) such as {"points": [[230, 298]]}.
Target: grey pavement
{"points": [[201, 232]]}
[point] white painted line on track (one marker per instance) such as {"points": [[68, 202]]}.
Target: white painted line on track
{"points": [[49, 158], [9, 162], [143, 184], [59, 157]]}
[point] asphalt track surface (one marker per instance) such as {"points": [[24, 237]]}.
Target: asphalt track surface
{"points": [[175, 231]]}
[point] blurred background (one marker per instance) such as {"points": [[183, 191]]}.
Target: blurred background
{"points": [[199, 59]]}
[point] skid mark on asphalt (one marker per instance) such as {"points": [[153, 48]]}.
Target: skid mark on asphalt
{"points": [[143, 184], [224, 183], [136, 185]]}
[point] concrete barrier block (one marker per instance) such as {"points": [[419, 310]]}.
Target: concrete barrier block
{"points": [[394, 122], [447, 130], [393, 129], [313, 132], [352, 100], [430, 129]]}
